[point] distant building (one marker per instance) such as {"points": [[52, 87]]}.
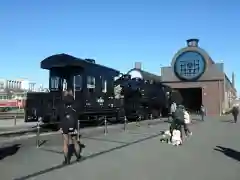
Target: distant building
{"points": [[16, 89]]}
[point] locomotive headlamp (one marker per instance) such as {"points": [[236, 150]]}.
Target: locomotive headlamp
{"points": [[100, 100]]}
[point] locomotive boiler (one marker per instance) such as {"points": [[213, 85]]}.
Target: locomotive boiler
{"points": [[145, 95]]}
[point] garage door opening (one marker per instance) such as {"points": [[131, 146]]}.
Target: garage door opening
{"points": [[192, 98]]}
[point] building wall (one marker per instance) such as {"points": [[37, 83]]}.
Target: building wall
{"points": [[217, 90], [212, 83], [212, 72], [212, 93]]}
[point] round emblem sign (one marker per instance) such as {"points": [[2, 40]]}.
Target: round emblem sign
{"points": [[189, 65]]}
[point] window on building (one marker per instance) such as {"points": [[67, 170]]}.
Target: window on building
{"points": [[1, 85], [9, 84], [78, 82]]}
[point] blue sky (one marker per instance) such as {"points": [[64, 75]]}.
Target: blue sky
{"points": [[115, 33]]}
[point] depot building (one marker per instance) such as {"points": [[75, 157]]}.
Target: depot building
{"points": [[199, 79]]}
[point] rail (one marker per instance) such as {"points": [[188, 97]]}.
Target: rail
{"points": [[12, 116], [104, 122]]}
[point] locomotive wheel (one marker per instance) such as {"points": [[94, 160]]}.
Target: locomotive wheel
{"points": [[165, 112], [155, 113]]}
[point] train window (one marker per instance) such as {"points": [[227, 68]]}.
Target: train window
{"points": [[64, 84], [91, 82], [104, 86], [78, 82], [54, 82]]}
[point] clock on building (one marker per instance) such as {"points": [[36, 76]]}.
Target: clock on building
{"points": [[189, 65]]}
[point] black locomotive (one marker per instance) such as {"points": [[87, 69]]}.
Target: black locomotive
{"points": [[98, 90], [145, 95]]}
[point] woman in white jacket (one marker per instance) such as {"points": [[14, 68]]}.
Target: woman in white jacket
{"points": [[187, 117]]}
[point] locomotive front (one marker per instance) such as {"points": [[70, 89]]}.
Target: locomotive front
{"points": [[142, 98]]}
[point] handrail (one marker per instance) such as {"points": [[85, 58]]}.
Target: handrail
{"points": [[10, 115]]}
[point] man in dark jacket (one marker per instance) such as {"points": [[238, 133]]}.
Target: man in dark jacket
{"points": [[68, 126], [235, 112], [178, 121]]}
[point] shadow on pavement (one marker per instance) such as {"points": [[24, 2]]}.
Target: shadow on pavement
{"points": [[9, 151], [229, 152], [102, 139], [85, 158], [228, 121], [43, 142]]}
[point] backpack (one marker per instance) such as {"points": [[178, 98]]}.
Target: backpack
{"points": [[70, 117], [178, 115]]}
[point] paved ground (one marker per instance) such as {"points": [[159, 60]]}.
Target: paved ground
{"points": [[136, 153], [8, 126]]}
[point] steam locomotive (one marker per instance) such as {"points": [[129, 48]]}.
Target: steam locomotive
{"points": [[99, 91]]}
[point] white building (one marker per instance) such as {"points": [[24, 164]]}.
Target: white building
{"points": [[19, 84]]}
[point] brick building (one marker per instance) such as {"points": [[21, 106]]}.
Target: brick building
{"points": [[193, 68]]}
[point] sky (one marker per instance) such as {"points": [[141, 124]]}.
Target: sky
{"points": [[115, 33]]}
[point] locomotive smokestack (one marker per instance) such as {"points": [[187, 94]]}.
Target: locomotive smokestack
{"points": [[192, 42], [233, 80], [138, 65]]}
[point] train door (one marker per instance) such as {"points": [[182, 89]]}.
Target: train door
{"points": [[91, 100], [78, 92], [55, 85]]}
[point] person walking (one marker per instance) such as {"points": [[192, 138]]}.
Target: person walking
{"points": [[179, 122], [235, 112], [68, 127], [202, 112], [173, 108]]}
